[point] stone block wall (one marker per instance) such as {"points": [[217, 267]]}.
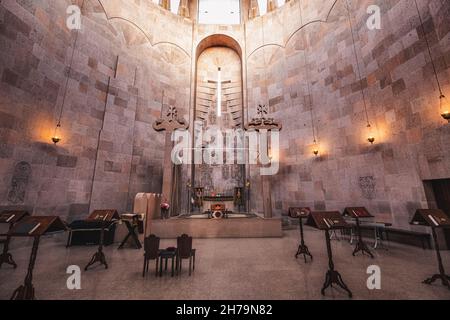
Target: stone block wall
{"points": [[109, 150], [402, 99]]}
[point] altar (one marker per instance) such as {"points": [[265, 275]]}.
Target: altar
{"points": [[219, 203], [236, 226]]}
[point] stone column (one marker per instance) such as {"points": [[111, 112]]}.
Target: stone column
{"points": [[265, 124], [168, 170], [271, 5], [254, 9], [168, 123], [165, 4], [150, 213], [267, 196], [183, 9]]}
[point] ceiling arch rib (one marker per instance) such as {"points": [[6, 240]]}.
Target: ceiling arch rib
{"points": [[311, 22], [113, 18]]}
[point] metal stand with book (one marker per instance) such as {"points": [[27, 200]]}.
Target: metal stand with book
{"points": [[300, 214], [327, 221], [105, 217], [436, 219], [359, 213], [11, 218], [35, 227]]}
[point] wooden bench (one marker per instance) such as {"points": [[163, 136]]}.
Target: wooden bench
{"points": [[423, 237], [405, 236]]}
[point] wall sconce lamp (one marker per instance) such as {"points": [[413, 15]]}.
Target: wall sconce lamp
{"points": [[445, 108], [56, 137]]}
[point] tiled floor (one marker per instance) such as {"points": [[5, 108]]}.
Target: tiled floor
{"points": [[231, 269]]}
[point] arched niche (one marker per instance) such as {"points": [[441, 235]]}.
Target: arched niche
{"points": [[214, 52], [218, 40]]}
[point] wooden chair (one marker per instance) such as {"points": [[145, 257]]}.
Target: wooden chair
{"points": [[185, 251], [151, 248]]}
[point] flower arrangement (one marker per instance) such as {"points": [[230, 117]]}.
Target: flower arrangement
{"points": [[165, 206], [165, 209]]}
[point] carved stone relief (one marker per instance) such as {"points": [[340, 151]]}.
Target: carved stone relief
{"points": [[19, 182], [367, 186]]}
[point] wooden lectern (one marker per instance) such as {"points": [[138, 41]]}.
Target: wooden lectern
{"points": [[104, 217], [11, 218], [33, 227], [326, 221], [434, 218], [359, 213], [131, 221], [300, 214]]}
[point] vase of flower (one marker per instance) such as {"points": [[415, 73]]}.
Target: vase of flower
{"points": [[165, 209]]}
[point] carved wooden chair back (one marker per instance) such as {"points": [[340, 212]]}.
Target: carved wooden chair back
{"points": [[151, 247], [184, 245]]}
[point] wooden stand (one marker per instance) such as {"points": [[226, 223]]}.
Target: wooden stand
{"points": [[332, 276], [445, 279], [105, 216], [6, 257], [434, 219], [131, 225], [326, 221], [47, 225]]}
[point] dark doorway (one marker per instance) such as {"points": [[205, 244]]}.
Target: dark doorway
{"points": [[441, 191]]}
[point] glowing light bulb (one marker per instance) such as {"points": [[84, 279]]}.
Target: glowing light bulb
{"points": [[316, 149], [370, 138], [56, 136], [445, 108]]}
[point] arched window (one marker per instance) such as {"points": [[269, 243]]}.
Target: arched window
{"points": [[219, 12], [174, 4], [263, 5]]}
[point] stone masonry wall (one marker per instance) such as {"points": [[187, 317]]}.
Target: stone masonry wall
{"points": [[109, 150], [106, 128], [403, 105]]}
